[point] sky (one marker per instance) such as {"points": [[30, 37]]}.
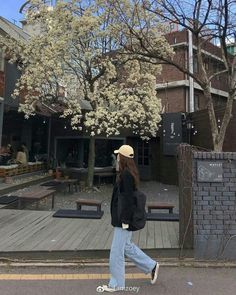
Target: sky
{"points": [[10, 10]]}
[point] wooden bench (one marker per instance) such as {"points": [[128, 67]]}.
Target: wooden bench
{"points": [[70, 183], [35, 195], [86, 202], [157, 205], [163, 217], [101, 175]]}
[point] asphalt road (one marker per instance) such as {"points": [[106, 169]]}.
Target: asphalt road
{"points": [[76, 281]]}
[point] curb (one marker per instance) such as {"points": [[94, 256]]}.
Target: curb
{"points": [[104, 263]]}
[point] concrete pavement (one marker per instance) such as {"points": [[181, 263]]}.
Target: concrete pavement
{"points": [[84, 280]]}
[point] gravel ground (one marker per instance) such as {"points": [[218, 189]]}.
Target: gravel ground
{"points": [[155, 191], [24, 178]]}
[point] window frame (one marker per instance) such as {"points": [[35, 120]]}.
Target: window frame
{"points": [[143, 153], [196, 102]]}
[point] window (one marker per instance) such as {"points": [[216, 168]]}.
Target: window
{"points": [[1, 60], [206, 65], [196, 102], [172, 26], [195, 65], [216, 69], [143, 153]]}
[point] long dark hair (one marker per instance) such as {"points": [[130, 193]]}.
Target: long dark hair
{"points": [[129, 164]]}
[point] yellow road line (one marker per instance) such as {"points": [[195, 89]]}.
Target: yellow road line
{"points": [[65, 277]]}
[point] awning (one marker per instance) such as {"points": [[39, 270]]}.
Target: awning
{"points": [[48, 110]]}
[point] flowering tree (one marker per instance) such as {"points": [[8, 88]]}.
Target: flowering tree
{"points": [[76, 48], [205, 21]]}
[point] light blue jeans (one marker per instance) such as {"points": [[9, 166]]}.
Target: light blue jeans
{"points": [[121, 247]]}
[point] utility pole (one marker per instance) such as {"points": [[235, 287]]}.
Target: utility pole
{"points": [[190, 62]]}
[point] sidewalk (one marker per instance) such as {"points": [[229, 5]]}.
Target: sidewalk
{"points": [[84, 280]]}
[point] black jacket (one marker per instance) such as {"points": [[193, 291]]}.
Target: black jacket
{"points": [[123, 214]]}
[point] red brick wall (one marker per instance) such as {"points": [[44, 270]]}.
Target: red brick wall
{"points": [[182, 36], [202, 100], [173, 99], [170, 73], [210, 47], [177, 37], [219, 82]]}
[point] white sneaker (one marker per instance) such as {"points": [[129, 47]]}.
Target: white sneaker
{"points": [[155, 273], [106, 288]]}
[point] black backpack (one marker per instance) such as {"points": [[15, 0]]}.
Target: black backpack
{"points": [[139, 213], [138, 219]]}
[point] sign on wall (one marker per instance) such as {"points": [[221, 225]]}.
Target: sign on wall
{"points": [[209, 171], [172, 132]]}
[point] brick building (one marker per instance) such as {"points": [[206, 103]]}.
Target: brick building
{"points": [[176, 89]]}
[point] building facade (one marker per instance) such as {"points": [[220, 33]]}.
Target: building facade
{"points": [[14, 129], [178, 91], [53, 136]]}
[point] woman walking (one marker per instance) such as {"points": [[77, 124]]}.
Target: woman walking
{"points": [[121, 215]]}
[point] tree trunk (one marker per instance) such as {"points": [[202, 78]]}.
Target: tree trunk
{"points": [[212, 119], [225, 122], [216, 139], [91, 162], [218, 134], [218, 146]]}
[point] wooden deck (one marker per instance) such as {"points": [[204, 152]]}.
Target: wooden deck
{"points": [[28, 230]]}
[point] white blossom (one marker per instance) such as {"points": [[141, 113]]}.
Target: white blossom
{"points": [[78, 47]]}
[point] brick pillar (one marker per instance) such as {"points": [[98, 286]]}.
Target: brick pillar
{"points": [[214, 209]]}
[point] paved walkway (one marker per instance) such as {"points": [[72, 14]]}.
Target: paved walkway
{"points": [[85, 280]]}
